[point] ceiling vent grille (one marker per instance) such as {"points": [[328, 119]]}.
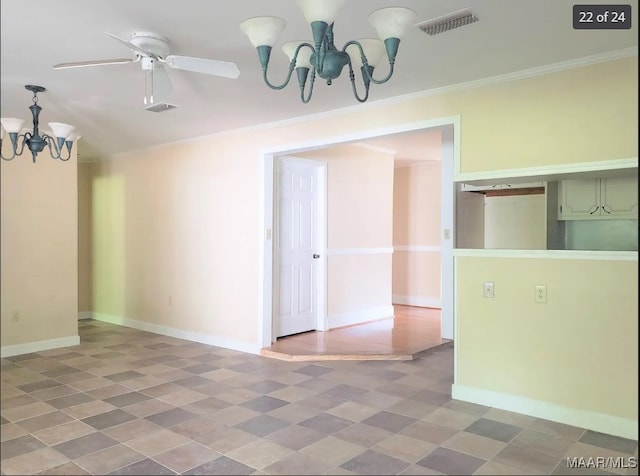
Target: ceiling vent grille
{"points": [[160, 107], [448, 22]]}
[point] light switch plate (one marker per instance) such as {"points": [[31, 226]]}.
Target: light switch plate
{"points": [[487, 289]]}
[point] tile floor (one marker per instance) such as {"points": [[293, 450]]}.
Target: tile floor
{"points": [[130, 402]]}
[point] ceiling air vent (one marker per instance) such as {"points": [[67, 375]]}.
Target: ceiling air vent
{"points": [[448, 22], [159, 107]]}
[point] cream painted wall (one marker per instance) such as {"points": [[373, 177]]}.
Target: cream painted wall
{"points": [[579, 350], [181, 222], [416, 223], [39, 262], [359, 224], [85, 267]]}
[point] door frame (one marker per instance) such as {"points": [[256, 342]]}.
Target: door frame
{"points": [[450, 172], [320, 291]]}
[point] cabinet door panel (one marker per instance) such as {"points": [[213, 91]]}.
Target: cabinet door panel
{"points": [[619, 196], [579, 199]]}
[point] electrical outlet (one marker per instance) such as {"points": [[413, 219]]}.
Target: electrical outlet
{"points": [[541, 294], [487, 289]]}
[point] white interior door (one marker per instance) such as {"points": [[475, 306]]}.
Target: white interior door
{"points": [[297, 247]]}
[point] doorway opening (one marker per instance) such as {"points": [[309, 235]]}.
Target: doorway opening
{"points": [[270, 261]]}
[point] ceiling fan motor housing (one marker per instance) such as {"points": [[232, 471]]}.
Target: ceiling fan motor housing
{"points": [[153, 43]]}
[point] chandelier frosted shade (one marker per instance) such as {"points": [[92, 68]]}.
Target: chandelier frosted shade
{"points": [[60, 130], [392, 22], [263, 31], [320, 57], [12, 125], [324, 11]]}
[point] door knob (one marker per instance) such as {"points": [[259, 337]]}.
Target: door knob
{"points": [[315, 256]]}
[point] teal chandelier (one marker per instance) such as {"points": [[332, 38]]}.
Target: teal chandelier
{"points": [[321, 57]]}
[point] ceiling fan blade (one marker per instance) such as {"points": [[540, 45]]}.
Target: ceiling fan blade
{"points": [[83, 64], [205, 66], [129, 45]]}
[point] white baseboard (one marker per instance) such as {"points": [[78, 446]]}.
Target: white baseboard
{"points": [[29, 347], [417, 301], [179, 333], [85, 315], [600, 422], [359, 317]]}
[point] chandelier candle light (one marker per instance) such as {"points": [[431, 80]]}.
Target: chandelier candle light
{"points": [[64, 133], [322, 57]]}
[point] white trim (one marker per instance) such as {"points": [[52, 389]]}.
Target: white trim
{"points": [[427, 249], [85, 315], [358, 251], [417, 301], [376, 148], [609, 424], [549, 254], [38, 346], [490, 81], [208, 339], [359, 317], [547, 171]]}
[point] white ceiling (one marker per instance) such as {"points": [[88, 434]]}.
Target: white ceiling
{"points": [[105, 103]]}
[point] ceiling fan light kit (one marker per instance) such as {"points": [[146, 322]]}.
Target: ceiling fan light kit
{"points": [[63, 134], [321, 57]]}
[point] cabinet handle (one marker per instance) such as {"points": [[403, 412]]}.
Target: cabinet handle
{"points": [[594, 210], [604, 208]]}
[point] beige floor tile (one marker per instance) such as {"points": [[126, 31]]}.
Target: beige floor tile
{"points": [[491, 468], [131, 430], [557, 429], [109, 459], [10, 392], [90, 384], [33, 462], [156, 442], [186, 456], [474, 445], [30, 410], [526, 460], [405, 448], [353, 411], [509, 418], [543, 443], [233, 415], [65, 432], [260, 454], [148, 407], [11, 431], [182, 397], [450, 418], [294, 413], [225, 439], [292, 393], [89, 409]]}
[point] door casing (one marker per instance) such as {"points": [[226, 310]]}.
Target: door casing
{"points": [[450, 127]]}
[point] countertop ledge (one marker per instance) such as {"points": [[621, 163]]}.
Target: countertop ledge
{"points": [[548, 254]]}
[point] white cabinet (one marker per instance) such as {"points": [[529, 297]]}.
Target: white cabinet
{"points": [[598, 199]]}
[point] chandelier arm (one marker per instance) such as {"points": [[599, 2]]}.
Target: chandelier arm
{"points": [[54, 150], [352, 79], [15, 138], [366, 68], [310, 90]]}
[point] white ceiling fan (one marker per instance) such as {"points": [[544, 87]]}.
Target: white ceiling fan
{"points": [[152, 51]]}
